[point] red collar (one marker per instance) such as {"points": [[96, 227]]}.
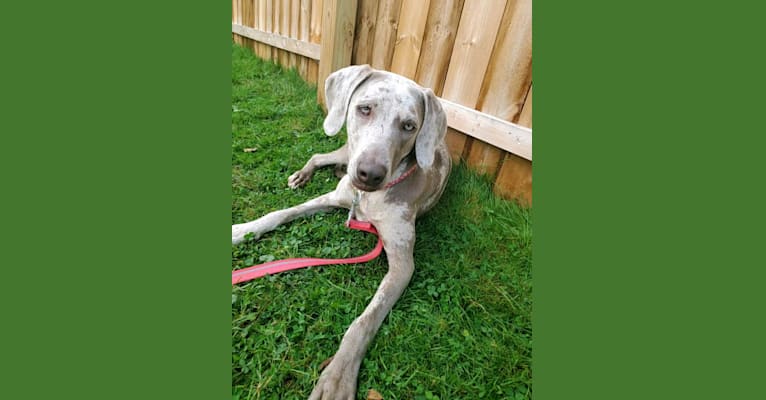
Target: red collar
{"points": [[404, 176]]}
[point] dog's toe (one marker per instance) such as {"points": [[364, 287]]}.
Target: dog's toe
{"points": [[335, 382], [298, 179]]}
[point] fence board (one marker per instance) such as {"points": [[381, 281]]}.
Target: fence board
{"points": [[250, 21], [337, 40], [315, 36], [235, 19], [438, 41], [364, 35], [275, 27], [507, 79], [276, 10], [479, 22], [484, 158], [510, 70], [303, 35], [265, 25], [284, 30], [385, 33], [525, 119], [260, 24], [243, 17], [514, 180], [409, 37], [456, 143], [294, 23], [481, 156]]}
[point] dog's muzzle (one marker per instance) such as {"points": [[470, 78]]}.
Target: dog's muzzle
{"points": [[370, 176]]}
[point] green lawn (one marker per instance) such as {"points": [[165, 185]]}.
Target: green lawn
{"points": [[462, 329]]}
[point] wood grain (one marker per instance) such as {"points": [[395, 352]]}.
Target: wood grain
{"points": [[525, 119], [364, 36], [315, 36], [510, 70], [247, 17], [236, 19], [295, 20], [476, 35], [284, 30], [507, 79], [456, 143], [514, 180], [337, 40], [303, 35], [409, 37], [262, 49], [479, 23], [276, 11], [385, 34], [438, 41]]}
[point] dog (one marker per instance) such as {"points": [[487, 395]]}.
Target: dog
{"points": [[398, 165]]}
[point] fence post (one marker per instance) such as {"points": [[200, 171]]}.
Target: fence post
{"points": [[338, 25]]}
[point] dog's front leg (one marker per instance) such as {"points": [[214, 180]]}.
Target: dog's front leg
{"points": [[337, 157], [339, 378], [340, 197]]}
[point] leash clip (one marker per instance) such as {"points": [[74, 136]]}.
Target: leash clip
{"points": [[354, 205]]}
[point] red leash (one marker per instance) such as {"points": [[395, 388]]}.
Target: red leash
{"points": [[273, 267]]}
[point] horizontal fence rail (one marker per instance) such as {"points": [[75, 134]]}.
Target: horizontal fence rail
{"points": [[310, 50], [506, 135]]}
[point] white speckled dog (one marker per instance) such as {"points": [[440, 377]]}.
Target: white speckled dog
{"points": [[398, 165]]}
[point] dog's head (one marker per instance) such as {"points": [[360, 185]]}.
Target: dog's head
{"points": [[386, 116]]}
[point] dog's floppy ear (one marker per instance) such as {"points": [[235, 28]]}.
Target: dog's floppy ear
{"points": [[338, 88], [433, 130]]}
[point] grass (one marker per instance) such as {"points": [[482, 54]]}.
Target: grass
{"points": [[462, 329]]}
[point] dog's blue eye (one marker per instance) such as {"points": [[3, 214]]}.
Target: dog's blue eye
{"points": [[408, 126], [364, 110]]}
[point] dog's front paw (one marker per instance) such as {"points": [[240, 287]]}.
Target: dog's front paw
{"points": [[298, 179], [238, 233], [337, 381]]}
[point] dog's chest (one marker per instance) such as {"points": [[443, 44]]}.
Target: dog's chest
{"points": [[373, 207]]}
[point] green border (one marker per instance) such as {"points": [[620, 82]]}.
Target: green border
{"points": [[116, 167], [647, 254], [648, 277]]}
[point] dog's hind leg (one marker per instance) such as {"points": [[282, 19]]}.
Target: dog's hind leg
{"points": [[337, 157], [337, 198]]}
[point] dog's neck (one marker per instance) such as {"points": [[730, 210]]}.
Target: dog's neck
{"points": [[406, 167]]}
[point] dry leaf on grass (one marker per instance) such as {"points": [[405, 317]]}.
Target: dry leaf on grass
{"points": [[250, 150], [374, 395]]}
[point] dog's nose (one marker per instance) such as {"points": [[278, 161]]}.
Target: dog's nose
{"points": [[372, 174]]}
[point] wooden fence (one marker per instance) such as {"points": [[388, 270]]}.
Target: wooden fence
{"points": [[475, 54]]}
